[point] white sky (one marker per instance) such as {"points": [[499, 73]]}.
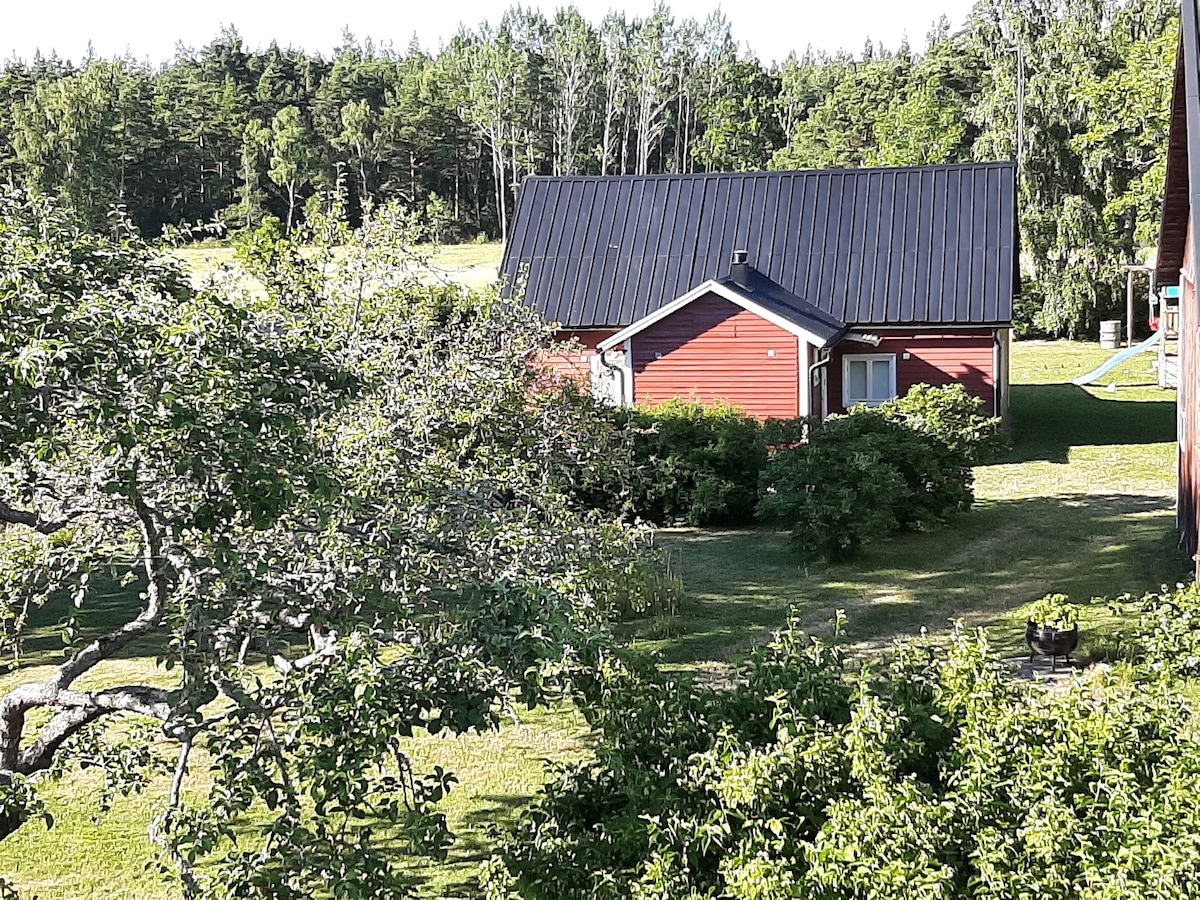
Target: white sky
{"points": [[150, 29]]}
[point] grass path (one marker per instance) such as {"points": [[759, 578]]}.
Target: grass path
{"points": [[1084, 504]]}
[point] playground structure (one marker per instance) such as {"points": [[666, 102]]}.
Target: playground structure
{"points": [[1168, 327], [1164, 320], [1155, 339]]}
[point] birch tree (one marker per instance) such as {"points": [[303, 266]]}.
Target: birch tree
{"points": [[614, 41], [574, 53], [651, 82]]}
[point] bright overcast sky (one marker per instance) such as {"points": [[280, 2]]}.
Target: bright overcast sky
{"points": [[151, 30]]}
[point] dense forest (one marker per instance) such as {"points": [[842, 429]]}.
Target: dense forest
{"points": [[1077, 91]]}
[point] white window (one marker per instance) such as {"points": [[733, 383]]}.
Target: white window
{"points": [[868, 378]]}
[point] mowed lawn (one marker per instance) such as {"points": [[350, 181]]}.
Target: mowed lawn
{"points": [[1084, 504], [472, 265]]}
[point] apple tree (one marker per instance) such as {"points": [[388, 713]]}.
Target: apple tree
{"points": [[340, 503]]}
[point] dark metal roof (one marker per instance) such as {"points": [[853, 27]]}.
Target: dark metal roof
{"points": [[751, 291], [902, 246]]}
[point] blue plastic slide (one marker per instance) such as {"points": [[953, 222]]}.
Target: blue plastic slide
{"points": [[1115, 361]]}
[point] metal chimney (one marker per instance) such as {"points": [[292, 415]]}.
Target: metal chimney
{"points": [[739, 268]]}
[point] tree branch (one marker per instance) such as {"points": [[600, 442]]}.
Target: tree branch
{"points": [[40, 755], [79, 709], [82, 708], [156, 592], [10, 515], [191, 887]]}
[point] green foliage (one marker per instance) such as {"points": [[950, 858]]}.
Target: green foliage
{"points": [[839, 128], [840, 483], [837, 490], [954, 417], [850, 479], [229, 135], [1054, 611], [1091, 181], [348, 504], [925, 127], [740, 129], [1168, 639], [694, 464], [936, 775], [857, 477]]}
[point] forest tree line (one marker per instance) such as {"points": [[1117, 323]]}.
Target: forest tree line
{"points": [[225, 135]]}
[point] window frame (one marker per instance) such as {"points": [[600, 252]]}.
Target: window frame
{"points": [[868, 358]]}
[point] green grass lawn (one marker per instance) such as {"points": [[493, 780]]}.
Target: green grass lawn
{"points": [[473, 265], [1084, 504], [87, 855]]}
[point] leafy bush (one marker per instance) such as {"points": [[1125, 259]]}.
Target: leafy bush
{"points": [[1168, 634], [1055, 611], [858, 477], [837, 491], [936, 775], [842, 481], [347, 502], [696, 465], [953, 416]]}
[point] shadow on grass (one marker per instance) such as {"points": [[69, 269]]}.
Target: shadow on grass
{"points": [[1050, 419], [106, 608], [473, 842], [984, 564]]}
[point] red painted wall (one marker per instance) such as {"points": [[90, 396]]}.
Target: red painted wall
{"points": [[933, 359], [1188, 405], [715, 350], [575, 362]]}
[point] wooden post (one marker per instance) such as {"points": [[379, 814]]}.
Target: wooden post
{"points": [[1129, 306]]}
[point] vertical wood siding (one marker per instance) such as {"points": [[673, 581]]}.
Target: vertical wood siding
{"points": [[935, 359], [714, 350], [577, 361], [1188, 404]]}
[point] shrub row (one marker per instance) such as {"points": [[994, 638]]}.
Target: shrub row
{"points": [[860, 476], [693, 464], [837, 482]]}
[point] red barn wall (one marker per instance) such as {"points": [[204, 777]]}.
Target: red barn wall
{"points": [[713, 350], [933, 358], [1188, 404], [575, 362]]}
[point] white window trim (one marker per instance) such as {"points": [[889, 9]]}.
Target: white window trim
{"points": [[868, 358]]}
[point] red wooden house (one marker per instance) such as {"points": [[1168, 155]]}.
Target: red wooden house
{"points": [[782, 293], [1178, 262]]}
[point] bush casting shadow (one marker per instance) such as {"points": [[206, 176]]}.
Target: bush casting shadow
{"points": [[985, 563]]}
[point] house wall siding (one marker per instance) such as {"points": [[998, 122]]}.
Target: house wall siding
{"points": [[933, 358], [575, 362], [1188, 404], [714, 350]]}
